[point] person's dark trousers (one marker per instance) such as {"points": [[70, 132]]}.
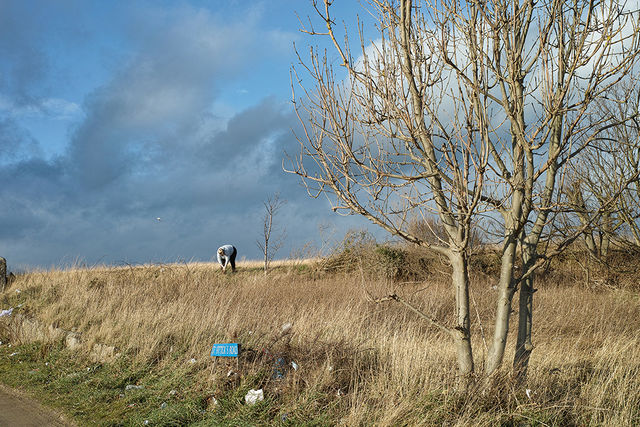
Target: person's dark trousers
{"points": [[232, 259]]}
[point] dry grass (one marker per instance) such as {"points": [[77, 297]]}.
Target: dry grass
{"points": [[362, 363]]}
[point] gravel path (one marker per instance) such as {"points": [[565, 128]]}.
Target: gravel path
{"points": [[17, 410]]}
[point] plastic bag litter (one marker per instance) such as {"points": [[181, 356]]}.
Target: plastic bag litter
{"points": [[279, 370], [133, 387], [7, 312], [294, 365], [254, 396], [285, 328]]}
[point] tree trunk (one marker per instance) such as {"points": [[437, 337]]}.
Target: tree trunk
{"points": [[266, 255], [462, 336], [591, 244], [3, 274], [506, 291], [524, 346]]}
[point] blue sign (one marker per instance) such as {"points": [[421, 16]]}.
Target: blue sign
{"points": [[225, 350]]}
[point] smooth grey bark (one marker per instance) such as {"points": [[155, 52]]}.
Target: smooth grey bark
{"points": [[462, 329], [506, 290], [524, 344]]}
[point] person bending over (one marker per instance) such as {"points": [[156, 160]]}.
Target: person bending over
{"points": [[227, 255]]}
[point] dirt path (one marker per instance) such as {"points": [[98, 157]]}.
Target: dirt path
{"points": [[17, 410]]}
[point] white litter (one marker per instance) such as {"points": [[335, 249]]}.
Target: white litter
{"points": [[192, 361], [286, 327], [18, 291], [7, 312], [133, 387], [254, 396], [294, 365], [528, 392], [12, 354]]}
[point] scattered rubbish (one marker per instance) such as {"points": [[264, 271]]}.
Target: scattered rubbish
{"points": [[146, 422], [121, 395], [230, 373], [34, 371], [131, 405], [46, 364], [6, 312], [284, 417], [286, 328], [212, 402], [0, 342], [340, 393], [12, 354], [18, 291], [173, 392], [294, 365], [279, 369], [133, 387], [529, 393], [164, 405], [192, 361], [254, 396]]}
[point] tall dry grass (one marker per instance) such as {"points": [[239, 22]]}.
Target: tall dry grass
{"points": [[361, 362]]}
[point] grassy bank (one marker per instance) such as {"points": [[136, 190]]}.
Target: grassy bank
{"points": [[358, 363]]}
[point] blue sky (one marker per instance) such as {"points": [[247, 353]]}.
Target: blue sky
{"points": [[113, 114]]}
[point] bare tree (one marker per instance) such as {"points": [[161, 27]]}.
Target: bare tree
{"points": [[612, 164], [463, 110], [271, 243]]}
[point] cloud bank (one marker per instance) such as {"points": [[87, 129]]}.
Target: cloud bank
{"points": [[151, 141]]}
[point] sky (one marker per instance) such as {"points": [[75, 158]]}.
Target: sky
{"points": [[151, 131]]}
